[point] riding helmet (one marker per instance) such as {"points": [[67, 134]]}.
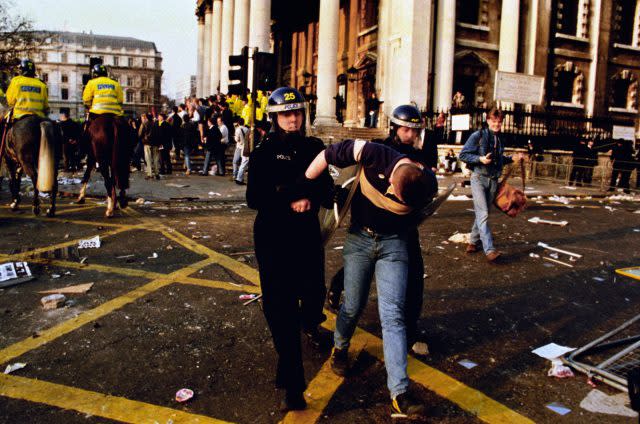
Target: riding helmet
{"points": [[27, 68], [99, 70]]}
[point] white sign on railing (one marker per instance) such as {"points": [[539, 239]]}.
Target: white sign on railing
{"points": [[518, 88], [625, 133], [460, 122]]}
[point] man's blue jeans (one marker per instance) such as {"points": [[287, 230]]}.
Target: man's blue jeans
{"points": [[187, 157], [387, 257], [483, 190]]}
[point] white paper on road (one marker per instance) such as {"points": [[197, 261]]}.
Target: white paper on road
{"points": [[12, 270], [558, 408], [599, 402], [552, 351], [468, 364], [14, 367], [92, 243]]}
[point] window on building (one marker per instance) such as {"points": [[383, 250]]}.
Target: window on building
{"points": [[130, 96], [45, 77], [130, 62], [624, 21], [468, 11], [368, 13], [144, 63], [87, 59], [43, 57], [63, 57], [116, 61], [567, 15], [624, 91], [144, 97], [64, 78], [130, 81], [64, 94], [568, 84], [144, 82]]}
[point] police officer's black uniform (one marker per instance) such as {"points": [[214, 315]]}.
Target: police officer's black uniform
{"points": [[288, 244]]}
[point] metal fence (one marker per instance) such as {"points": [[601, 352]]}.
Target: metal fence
{"points": [[547, 129]]}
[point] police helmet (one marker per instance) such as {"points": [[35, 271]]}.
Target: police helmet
{"points": [[98, 70], [407, 116], [27, 68], [285, 99]]}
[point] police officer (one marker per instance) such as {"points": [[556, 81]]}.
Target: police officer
{"points": [[102, 95], [287, 237], [27, 95]]}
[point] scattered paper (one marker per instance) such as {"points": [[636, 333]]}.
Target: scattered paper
{"points": [[461, 238], [569, 187], [338, 248], [537, 220], [77, 289], [53, 301], [598, 402], [213, 193], [12, 270], [92, 243], [184, 395], [125, 256], [552, 351], [461, 197], [558, 408], [14, 367], [154, 255], [468, 364], [533, 255], [560, 199], [559, 370], [599, 279], [177, 185]]}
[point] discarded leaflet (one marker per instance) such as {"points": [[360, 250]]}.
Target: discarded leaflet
{"points": [[14, 270], [53, 301], [92, 243], [184, 395]]}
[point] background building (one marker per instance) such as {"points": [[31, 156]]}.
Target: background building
{"points": [[63, 59], [185, 88], [340, 51]]}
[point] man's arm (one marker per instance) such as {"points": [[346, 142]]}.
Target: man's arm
{"points": [[470, 151]]}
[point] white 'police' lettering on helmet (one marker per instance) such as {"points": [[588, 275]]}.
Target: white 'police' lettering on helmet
{"points": [[283, 157], [30, 89], [106, 87]]}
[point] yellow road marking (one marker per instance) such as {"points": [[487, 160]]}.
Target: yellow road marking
{"points": [[92, 403], [62, 245], [219, 285], [129, 272], [243, 270], [78, 209], [68, 326], [631, 272], [75, 221], [321, 389]]}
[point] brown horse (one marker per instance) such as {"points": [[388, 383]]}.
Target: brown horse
{"points": [[33, 148], [109, 142]]}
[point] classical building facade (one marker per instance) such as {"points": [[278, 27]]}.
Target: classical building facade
{"points": [[425, 51], [64, 59]]}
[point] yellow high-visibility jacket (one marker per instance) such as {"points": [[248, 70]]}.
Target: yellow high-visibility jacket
{"points": [[103, 95], [27, 96]]}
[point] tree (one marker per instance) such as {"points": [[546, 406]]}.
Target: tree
{"points": [[18, 39]]}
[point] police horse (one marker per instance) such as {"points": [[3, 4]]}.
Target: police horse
{"points": [[31, 148], [108, 142]]}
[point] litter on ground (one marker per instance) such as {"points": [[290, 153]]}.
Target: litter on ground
{"points": [[12, 273], [558, 408], [537, 220], [14, 367], [92, 243], [77, 289], [599, 402], [460, 238], [53, 301], [468, 364]]}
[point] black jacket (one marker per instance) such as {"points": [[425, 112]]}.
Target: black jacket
{"points": [[161, 135], [277, 177], [213, 138]]}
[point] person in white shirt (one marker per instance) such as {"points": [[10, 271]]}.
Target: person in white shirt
{"points": [[240, 161], [224, 131]]}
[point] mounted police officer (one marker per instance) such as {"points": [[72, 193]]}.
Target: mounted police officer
{"points": [[102, 95], [26, 94], [287, 237]]}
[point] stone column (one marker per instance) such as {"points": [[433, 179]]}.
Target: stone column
{"points": [[327, 63], [259, 30], [200, 63], [508, 55], [216, 36], [240, 25], [445, 50], [595, 50], [226, 44], [206, 67]]}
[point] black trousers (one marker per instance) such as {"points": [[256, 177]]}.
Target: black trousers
{"points": [[165, 161], [291, 266], [415, 287], [622, 170]]}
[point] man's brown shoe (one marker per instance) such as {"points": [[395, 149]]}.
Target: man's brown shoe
{"points": [[493, 255], [471, 248]]}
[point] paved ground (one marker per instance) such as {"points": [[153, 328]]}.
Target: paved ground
{"points": [[152, 325]]}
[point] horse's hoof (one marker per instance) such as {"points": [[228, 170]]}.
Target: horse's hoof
{"points": [[123, 202], [14, 206], [80, 201], [36, 211], [51, 213]]}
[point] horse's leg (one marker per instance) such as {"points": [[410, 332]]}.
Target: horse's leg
{"points": [[51, 212], [91, 163], [111, 189], [35, 207], [122, 199], [14, 184]]}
